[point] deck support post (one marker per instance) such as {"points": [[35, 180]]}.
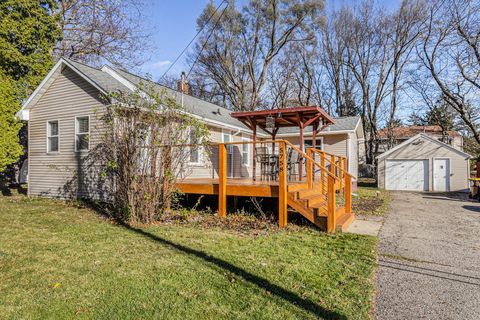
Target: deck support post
{"points": [[254, 160], [282, 185], [348, 193], [300, 160], [222, 180], [322, 173], [309, 168], [331, 215]]}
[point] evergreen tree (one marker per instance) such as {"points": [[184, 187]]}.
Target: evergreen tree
{"points": [[28, 32]]}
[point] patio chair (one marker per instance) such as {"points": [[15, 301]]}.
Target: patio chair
{"points": [[267, 163]]}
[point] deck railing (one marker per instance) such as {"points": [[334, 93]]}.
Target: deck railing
{"points": [[327, 174]]}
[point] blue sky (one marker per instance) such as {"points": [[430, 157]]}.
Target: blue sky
{"points": [[173, 25]]}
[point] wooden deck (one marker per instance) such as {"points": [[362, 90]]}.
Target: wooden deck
{"points": [[315, 198], [244, 187]]}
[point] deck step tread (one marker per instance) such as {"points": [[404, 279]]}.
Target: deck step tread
{"points": [[344, 221]]}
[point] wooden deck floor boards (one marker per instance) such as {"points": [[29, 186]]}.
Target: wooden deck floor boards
{"points": [[235, 187]]}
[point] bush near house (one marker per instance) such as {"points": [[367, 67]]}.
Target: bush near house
{"points": [[61, 261]]}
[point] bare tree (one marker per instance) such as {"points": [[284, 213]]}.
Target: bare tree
{"points": [[406, 29], [243, 45], [450, 52], [95, 30], [340, 81], [140, 150], [369, 61]]}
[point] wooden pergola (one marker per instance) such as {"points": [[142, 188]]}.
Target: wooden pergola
{"points": [[272, 120]]}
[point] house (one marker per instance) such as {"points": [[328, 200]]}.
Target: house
{"points": [[423, 163], [401, 134], [63, 109], [63, 127]]}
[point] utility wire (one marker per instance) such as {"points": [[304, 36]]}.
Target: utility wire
{"points": [[191, 41], [206, 40]]}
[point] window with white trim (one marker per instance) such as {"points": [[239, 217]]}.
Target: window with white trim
{"points": [[82, 133], [246, 152], [195, 156], [52, 136], [318, 143]]}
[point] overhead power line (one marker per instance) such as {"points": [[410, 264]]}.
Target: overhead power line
{"points": [[206, 41], [193, 39]]}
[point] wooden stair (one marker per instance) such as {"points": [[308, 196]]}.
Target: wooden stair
{"points": [[312, 204]]}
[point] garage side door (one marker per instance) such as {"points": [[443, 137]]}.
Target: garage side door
{"points": [[409, 175]]}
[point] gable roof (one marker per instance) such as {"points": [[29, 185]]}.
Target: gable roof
{"points": [[103, 83], [426, 137]]}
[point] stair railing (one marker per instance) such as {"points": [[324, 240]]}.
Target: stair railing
{"points": [[326, 185], [338, 166]]}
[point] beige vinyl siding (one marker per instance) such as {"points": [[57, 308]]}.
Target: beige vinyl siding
{"points": [[353, 154], [54, 174], [429, 150], [208, 168], [336, 144]]}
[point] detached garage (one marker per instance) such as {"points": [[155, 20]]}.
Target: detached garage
{"points": [[423, 163]]}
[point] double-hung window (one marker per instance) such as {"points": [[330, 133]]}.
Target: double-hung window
{"points": [[82, 133], [52, 136]]}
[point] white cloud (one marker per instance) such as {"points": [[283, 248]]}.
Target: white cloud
{"points": [[161, 64]]}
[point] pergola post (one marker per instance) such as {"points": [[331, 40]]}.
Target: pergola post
{"points": [[300, 159], [314, 146], [254, 162]]}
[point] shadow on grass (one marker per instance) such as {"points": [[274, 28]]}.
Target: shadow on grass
{"points": [[286, 295]]}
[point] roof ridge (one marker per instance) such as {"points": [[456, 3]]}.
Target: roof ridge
{"points": [[81, 63]]}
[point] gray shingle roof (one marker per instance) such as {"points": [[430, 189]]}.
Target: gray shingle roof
{"points": [[341, 124], [193, 105], [102, 79]]}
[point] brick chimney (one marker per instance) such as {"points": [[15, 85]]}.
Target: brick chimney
{"points": [[182, 84]]}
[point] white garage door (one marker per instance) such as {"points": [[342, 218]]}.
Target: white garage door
{"points": [[411, 175]]}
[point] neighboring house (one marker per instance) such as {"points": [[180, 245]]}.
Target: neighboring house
{"points": [[63, 126], [423, 163], [401, 134]]}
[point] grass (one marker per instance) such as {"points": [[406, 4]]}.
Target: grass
{"points": [[62, 262], [370, 201]]}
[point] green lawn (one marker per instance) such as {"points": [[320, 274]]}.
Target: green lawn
{"points": [[63, 262], [370, 201]]}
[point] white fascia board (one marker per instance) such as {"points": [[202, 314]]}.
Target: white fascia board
{"points": [[85, 77], [219, 124], [119, 78]]}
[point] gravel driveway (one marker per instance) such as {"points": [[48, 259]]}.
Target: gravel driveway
{"points": [[429, 258]]}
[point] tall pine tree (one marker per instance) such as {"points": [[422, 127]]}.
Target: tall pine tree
{"points": [[28, 32]]}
